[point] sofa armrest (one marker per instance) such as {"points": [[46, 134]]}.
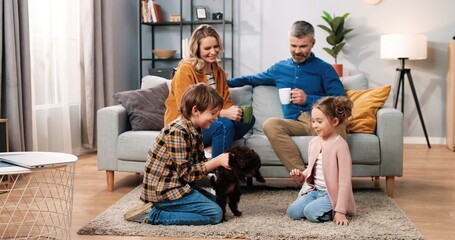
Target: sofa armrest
{"points": [[389, 130], [111, 122]]}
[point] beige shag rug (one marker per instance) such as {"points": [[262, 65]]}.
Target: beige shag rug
{"points": [[264, 217]]}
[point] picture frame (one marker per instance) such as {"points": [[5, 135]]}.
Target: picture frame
{"points": [[201, 13]]}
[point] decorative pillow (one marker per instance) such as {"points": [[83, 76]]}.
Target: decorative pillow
{"points": [[145, 107], [366, 105], [355, 82]]}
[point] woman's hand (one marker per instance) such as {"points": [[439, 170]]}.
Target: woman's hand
{"points": [[340, 219], [233, 113], [297, 175]]}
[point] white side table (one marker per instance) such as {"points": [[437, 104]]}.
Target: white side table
{"points": [[37, 203]]}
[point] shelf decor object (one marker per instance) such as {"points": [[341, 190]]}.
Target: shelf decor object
{"points": [[201, 13], [164, 54], [405, 47]]}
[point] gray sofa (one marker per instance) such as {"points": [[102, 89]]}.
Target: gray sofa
{"points": [[373, 155]]}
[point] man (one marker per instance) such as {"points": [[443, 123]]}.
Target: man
{"points": [[310, 79]]}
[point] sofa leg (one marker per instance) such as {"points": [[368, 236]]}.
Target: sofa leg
{"points": [[390, 182], [375, 180], [110, 180]]}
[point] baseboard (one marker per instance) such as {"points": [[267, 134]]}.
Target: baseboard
{"points": [[422, 140]]}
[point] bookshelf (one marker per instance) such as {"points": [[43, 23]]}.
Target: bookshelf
{"points": [[169, 34]]}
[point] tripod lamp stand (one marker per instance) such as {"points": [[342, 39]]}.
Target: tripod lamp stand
{"points": [[405, 47]]}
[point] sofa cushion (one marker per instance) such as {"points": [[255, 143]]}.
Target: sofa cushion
{"points": [[134, 145], [364, 148], [266, 104], [241, 96], [145, 107], [366, 105]]}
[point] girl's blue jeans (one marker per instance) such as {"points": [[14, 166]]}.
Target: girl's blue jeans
{"points": [[198, 207], [314, 206], [223, 132]]}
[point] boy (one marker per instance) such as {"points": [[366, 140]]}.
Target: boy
{"points": [[176, 160]]}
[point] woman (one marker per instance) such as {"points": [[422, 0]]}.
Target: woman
{"points": [[202, 66]]}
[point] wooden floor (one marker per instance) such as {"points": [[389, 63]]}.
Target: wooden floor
{"points": [[426, 192]]}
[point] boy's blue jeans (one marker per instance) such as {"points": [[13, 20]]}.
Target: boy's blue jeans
{"points": [[223, 132], [314, 206], [198, 207]]}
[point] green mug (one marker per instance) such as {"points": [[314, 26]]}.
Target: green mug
{"points": [[247, 113]]}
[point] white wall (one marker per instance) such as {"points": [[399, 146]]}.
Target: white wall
{"points": [[261, 39]]}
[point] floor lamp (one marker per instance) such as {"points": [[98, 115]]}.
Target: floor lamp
{"points": [[405, 47]]}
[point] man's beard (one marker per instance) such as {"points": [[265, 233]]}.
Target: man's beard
{"points": [[302, 58]]}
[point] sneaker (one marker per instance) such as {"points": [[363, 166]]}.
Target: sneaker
{"points": [[138, 214]]}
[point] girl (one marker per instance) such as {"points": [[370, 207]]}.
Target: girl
{"points": [[326, 193], [202, 66]]}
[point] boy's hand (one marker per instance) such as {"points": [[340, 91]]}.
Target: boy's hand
{"points": [[224, 160], [221, 160], [340, 219]]}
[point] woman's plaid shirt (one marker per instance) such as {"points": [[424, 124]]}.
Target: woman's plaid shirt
{"points": [[175, 160]]}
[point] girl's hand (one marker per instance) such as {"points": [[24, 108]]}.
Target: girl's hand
{"points": [[297, 175], [340, 219], [233, 113]]}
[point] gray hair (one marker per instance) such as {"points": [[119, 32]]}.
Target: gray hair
{"points": [[301, 29]]}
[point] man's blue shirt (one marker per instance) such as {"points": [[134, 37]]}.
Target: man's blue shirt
{"points": [[314, 76]]}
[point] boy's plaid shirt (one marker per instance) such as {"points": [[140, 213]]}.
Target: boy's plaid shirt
{"points": [[175, 160]]}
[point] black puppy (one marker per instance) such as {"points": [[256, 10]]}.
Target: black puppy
{"points": [[244, 162]]}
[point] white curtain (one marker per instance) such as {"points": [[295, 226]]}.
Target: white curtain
{"points": [[56, 75]]}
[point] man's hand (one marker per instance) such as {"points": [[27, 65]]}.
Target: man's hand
{"points": [[233, 113], [298, 96]]}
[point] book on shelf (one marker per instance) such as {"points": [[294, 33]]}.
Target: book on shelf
{"points": [[154, 12], [158, 12], [151, 10], [145, 17]]}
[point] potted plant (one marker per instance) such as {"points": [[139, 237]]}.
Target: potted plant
{"points": [[337, 32]]}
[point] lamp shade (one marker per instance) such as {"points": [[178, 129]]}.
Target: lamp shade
{"points": [[410, 46]]}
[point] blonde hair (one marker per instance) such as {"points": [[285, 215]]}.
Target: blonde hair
{"points": [[199, 33], [202, 96]]}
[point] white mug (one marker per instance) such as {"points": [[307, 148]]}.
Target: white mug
{"points": [[285, 95]]}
